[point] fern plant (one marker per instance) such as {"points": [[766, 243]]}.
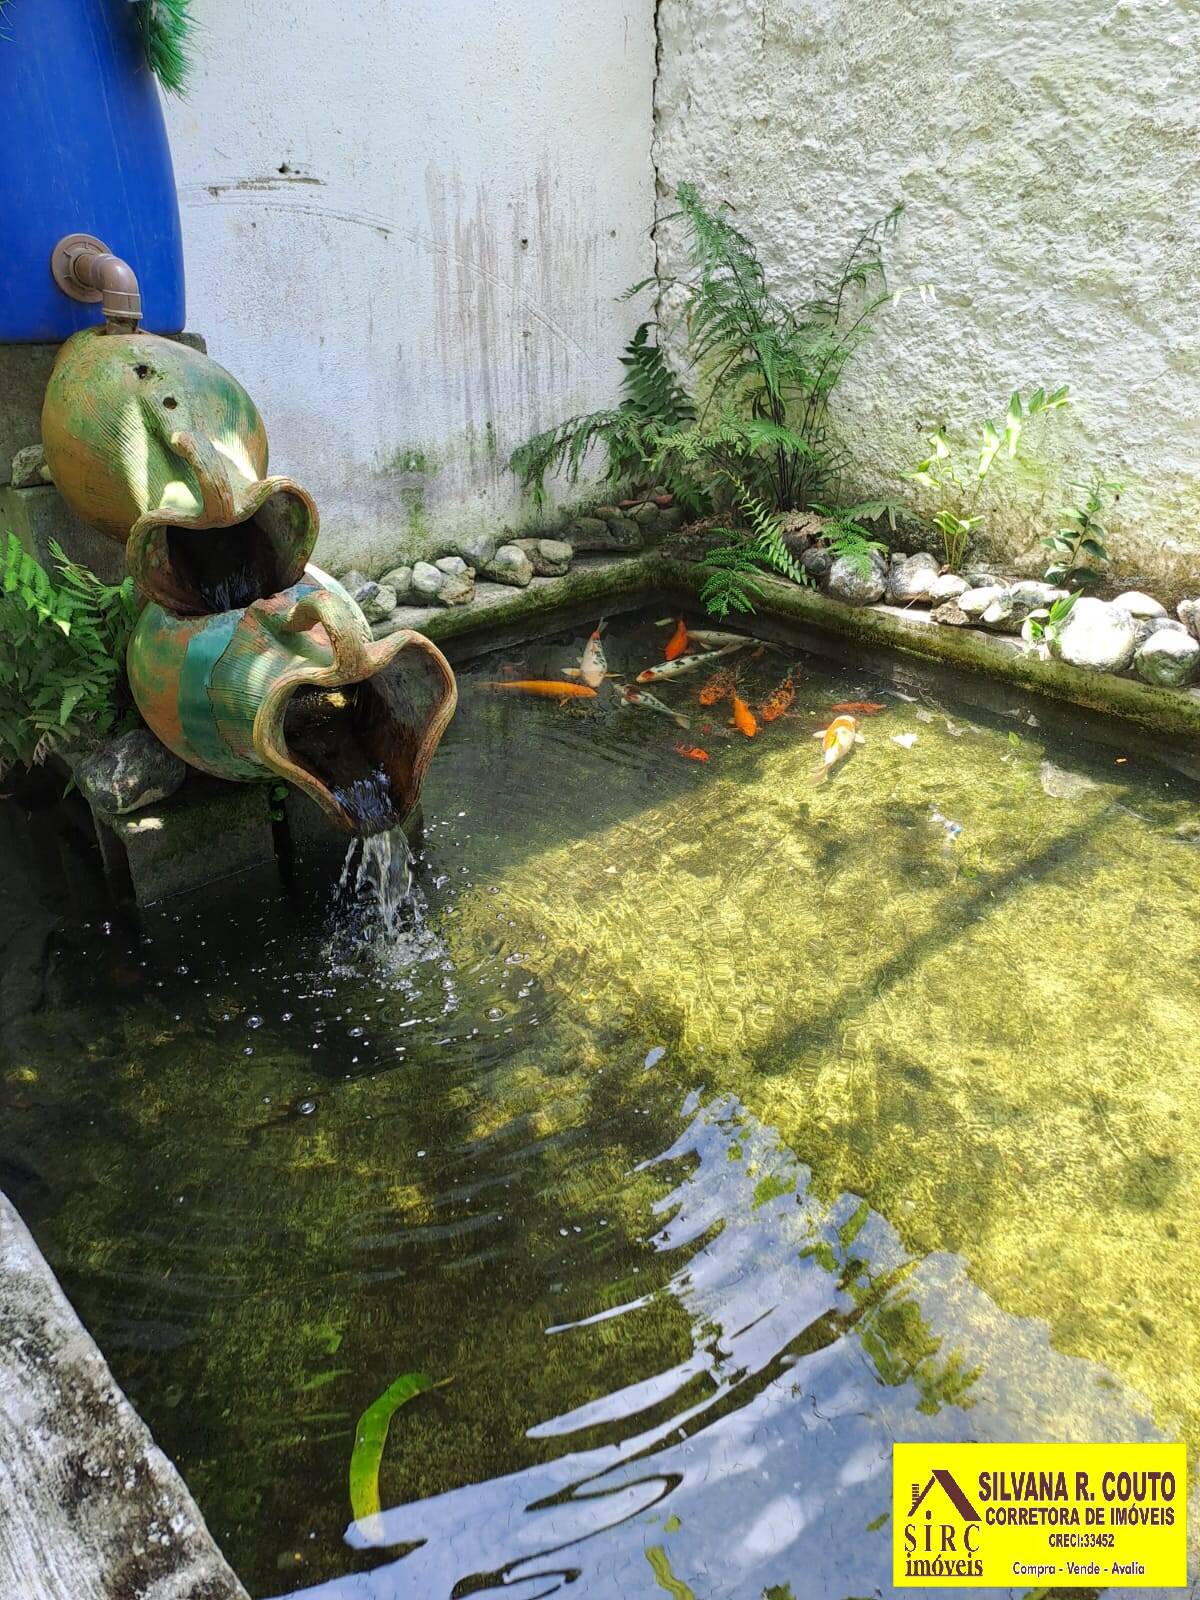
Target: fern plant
{"points": [[955, 473], [62, 655], [731, 569], [768, 364], [652, 398]]}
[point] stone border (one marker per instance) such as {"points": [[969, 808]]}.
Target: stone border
{"points": [[90, 1507]]}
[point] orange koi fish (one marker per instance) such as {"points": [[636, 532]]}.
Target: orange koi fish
{"points": [[743, 718], [858, 708], [837, 740], [551, 689], [719, 687], [691, 752], [678, 642], [778, 700]]}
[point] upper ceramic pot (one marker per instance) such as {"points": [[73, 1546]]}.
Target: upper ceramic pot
{"points": [[159, 447]]}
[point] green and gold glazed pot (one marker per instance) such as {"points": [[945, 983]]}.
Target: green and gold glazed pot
{"points": [[295, 687], [160, 448]]}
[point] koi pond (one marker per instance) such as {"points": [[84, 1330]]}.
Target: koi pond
{"points": [[592, 1217]]}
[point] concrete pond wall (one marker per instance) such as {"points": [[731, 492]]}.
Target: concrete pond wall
{"points": [[1046, 159], [406, 228]]}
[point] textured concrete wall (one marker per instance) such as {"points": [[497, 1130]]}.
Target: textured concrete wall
{"points": [[1049, 159], [406, 226]]}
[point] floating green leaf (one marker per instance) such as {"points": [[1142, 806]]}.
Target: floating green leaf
{"points": [[371, 1435]]}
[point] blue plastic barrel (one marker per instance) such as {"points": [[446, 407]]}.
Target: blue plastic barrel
{"points": [[83, 149]]}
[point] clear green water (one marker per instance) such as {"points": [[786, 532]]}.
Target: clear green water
{"points": [[714, 1132]]}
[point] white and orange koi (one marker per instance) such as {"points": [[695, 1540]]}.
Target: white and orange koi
{"points": [[649, 702], [837, 740], [672, 669], [593, 666]]}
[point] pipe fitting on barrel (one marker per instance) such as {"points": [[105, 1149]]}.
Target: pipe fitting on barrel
{"points": [[86, 269]]}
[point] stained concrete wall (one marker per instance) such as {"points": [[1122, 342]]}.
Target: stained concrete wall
{"points": [[1047, 155], [406, 226]]}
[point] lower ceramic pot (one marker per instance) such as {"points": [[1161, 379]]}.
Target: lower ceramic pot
{"points": [[294, 687]]}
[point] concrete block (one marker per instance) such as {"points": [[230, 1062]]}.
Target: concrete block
{"points": [[38, 516], [206, 832]]}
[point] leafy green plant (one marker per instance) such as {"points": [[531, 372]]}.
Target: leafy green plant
{"points": [[1047, 625], [1079, 547], [652, 398], [166, 26], [956, 473], [62, 655]]}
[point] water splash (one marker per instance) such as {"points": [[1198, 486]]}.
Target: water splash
{"points": [[380, 909]]}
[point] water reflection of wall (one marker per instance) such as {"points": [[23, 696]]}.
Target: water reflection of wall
{"points": [[763, 1460]]}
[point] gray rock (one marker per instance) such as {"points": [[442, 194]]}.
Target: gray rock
{"points": [[982, 578], [398, 579], [1146, 626], [671, 518], [1168, 658], [849, 584], [549, 558], [817, 562], [352, 580], [374, 600], [129, 772], [458, 589], [1030, 595], [1001, 614], [454, 567], [950, 614], [609, 513], [509, 565], [599, 533], [1140, 605], [976, 601], [478, 549], [29, 469], [1096, 635], [378, 605], [1188, 612], [911, 578], [426, 582], [947, 587], [646, 515]]}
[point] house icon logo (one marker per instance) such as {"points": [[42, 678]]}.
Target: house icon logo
{"points": [[948, 1483], [942, 1531]]}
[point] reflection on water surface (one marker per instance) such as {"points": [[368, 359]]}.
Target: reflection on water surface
{"points": [[708, 1133]]}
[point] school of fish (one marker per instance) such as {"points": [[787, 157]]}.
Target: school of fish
{"points": [[681, 656]]}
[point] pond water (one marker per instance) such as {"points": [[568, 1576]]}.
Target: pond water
{"points": [[697, 1132]]}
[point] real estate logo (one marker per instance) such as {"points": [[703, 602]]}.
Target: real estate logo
{"points": [[1047, 1515]]}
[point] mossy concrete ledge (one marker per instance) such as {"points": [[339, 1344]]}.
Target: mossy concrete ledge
{"points": [[90, 1508], [1174, 713]]}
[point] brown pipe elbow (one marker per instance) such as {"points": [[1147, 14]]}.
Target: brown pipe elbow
{"points": [[87, 270]]}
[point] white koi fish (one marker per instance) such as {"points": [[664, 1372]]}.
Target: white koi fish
{"points": [[593, 667], [837, 740], [649, 702], [672, 669], [714, 640]]}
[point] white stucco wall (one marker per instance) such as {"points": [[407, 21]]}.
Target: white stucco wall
{"points": [[1048, 154], [405, 228]]}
